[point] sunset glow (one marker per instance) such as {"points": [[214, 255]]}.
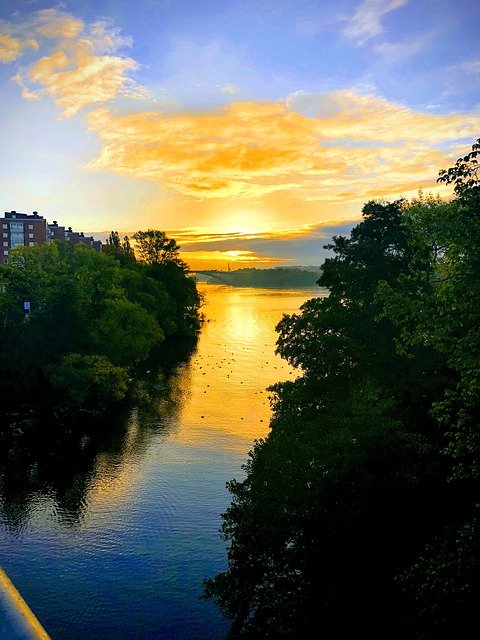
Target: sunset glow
{"points": [[142, 118]]}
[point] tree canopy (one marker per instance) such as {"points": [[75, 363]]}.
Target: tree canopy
{"points": [[359, 512], [92, 317], [154, 247]]}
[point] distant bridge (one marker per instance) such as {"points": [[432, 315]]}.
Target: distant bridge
{"points": [[221, 276]]}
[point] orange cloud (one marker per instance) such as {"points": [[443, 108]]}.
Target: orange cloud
{"points": [[323, 147], [247, 149], [208, 259], [187, 236]]}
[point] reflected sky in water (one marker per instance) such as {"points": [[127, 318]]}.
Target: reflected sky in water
{"points": [[108, 527]]}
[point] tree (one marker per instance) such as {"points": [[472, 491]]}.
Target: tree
{"points": [[124, 332], [87, 381], [113, 240], [155, 248], [340, 492], [364, 496], [160, 258], [120, 250], [464, 174], [104, 309]]}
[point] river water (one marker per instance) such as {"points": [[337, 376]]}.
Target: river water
{"points": [[109, 534]]}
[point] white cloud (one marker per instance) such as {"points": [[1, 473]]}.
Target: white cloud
{"points": [[231, 89], [366, 21], [398, 52], [106, 38], [468, 66]]}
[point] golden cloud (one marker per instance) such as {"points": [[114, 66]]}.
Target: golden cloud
{"points": [[330, 147], [188, 236], [233, 256], [26, 92], [79, 78], [247, 149], [51, 23], [212, 259], [11, 48], [76, 72], [352, 116]]}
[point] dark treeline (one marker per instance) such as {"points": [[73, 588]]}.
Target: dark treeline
{"points": [[93, 317], [359, 513], [279, 277]]}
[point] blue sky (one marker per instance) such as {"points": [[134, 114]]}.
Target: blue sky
{"points": [[250, 130]]}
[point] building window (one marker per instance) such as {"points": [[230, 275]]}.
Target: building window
{"points": [[30, 235], [5, 235], [16, 240], [30, 244], [5, 225], [5, 243], [30, 226], [5, 252]]}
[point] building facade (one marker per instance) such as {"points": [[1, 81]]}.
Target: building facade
{"points": [[22, 229], [30, 229], [54, 232]]}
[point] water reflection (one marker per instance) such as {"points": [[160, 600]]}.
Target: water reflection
{"points": [[54, 461], [235, 364], [108, 527]]}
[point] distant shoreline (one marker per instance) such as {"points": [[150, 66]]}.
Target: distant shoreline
{"points": [[279, 278], [261, 286]]}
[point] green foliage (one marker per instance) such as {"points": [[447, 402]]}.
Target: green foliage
{"points": [[122, 251], [358, 513], [85, 305], [124, 332], [87, 381], [464, 174]]}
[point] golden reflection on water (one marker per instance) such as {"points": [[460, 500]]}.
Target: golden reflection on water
{"points": [[218, 400], [116, 475], [235, 363]]}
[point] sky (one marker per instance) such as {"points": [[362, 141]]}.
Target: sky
{"points": [[251, 131]]}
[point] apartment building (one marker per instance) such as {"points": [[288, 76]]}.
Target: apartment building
{"points": [[55, 232], [22, 229], [29, 229], [78, 237]]}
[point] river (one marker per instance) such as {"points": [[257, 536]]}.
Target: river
{"points": [[109, 535]]}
